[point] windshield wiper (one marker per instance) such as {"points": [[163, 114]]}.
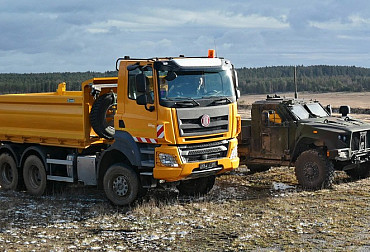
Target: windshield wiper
{"points": [[189, 102], [223, 100]]}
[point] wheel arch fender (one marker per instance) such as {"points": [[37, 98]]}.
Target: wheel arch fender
{"points": [[37, 151], [123, 150], [13, 150], [304, 143]]}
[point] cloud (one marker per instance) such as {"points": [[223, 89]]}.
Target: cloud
{"points": [[79, 36]]}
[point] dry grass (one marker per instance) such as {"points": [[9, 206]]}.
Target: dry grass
{"points": [[243, 212]]}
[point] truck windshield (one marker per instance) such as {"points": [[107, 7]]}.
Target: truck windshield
{"points": [[300, 112], [195, 85], [316, 109]]}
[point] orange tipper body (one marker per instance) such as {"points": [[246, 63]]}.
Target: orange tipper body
{"points": [[161, 120]]}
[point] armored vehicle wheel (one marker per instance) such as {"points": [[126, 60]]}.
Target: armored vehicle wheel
{"points": [[258, 168], [195, 187], [8, 172], [363, 171], [102, 115], [34, 175], [313, 170], [121, 185]]}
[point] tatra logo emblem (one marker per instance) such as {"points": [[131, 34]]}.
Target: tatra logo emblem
{"points": [[205, 120]]}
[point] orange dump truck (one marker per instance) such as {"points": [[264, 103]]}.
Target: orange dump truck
{"points": [[162, 120]]}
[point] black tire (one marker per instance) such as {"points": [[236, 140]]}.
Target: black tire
{"points": [[8, 172], [34, 176], [361, 172], [196, 187], [121, 185], [102, 115], [313, 170], [258, 168]]}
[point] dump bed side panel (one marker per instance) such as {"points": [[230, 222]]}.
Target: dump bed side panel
{"points": [[45, 118]]}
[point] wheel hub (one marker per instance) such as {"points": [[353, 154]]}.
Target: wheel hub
{"points": [[120, 186], [311, 170], [6, 173]]}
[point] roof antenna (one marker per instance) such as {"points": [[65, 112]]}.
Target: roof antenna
{"points": [[295, 83], [214, 42]]}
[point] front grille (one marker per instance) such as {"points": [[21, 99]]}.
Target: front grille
{"points": [[360, 141], [190, 120], [203, 152]]}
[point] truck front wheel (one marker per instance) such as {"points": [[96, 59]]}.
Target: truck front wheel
{"points": [[313, 170], [34, 175], [196, 187], [8, 172], [121, 185]]}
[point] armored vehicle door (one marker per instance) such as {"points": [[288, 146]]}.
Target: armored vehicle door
{"points": [[271, 134]]}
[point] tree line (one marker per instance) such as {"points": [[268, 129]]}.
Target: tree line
{"points": [[320, 78]]}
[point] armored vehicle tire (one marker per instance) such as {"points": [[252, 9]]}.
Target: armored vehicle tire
{"points": [[360, 172], [34, 176], [8, 172], [121, 185], [313, 170], [196, 187], [258, 168], [102, 116]]}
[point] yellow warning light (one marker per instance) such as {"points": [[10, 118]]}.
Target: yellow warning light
{"points": [[211, 53], [315, 131]]}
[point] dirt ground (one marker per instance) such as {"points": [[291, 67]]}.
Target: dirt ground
{"points": [[265, 211]]}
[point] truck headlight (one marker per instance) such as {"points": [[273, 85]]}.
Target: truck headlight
{"points": [[168, 160], [343, 154], [234, 153]]}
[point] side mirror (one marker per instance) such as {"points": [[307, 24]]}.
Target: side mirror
{"points": [[237, 93], [170, 76], [344, 110], [142, 100], [329, 109], [140, 80]]}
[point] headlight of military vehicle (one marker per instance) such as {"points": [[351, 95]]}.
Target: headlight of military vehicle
{"points": [[234, 153], [343, 138], [343, 154], [168, 160]]}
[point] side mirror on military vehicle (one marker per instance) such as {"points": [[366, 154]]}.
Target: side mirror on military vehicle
{"points": [[140, 80], [345, 110], [329, 109]]}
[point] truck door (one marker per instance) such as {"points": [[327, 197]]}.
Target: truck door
{"points": [[274, 135], [139, 120]]}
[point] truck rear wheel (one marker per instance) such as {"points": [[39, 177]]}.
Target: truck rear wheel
{"points": [[8, 172], [363, 171], [196, 187], [34, 175], [313, 170], [121, 185], [102, 115]]}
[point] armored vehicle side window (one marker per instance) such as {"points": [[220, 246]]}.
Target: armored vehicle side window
{"points": [[271, 118]]}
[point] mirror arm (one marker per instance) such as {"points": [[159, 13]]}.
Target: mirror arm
{"points": [[150, 109]]}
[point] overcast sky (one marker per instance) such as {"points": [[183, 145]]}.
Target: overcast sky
{"points": [[75, 35]]}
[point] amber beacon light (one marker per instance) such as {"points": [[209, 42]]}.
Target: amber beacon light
{"points": [[211, 53]]}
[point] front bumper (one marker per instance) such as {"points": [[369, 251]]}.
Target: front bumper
{"points": [[346, 154], [193, 169]]}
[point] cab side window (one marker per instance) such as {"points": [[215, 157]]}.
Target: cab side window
{"points": [[132, 92], [271, 118]]}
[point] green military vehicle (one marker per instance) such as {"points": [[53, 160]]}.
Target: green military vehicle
{"points": [[289, 131]]}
